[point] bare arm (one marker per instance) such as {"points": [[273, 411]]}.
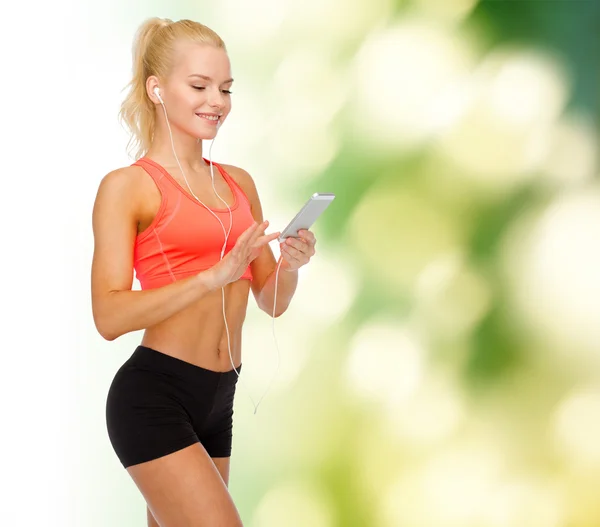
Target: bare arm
{"points": [[116, 308], [264, 266], [287, 282], [126, 311]]}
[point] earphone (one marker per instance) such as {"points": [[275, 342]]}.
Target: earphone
{"points": [[157, 93]]}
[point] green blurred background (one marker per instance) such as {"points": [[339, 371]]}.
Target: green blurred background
{"points": [[440, 363]]}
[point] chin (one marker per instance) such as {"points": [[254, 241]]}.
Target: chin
{"points": [[203, 133], [203, 136]]}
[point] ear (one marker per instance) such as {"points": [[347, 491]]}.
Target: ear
{"points": [[151, 83]]}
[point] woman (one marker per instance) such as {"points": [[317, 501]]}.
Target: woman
{"points": [[170, 405]]}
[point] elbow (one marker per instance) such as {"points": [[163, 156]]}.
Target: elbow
{"points": [[278, 312], [105, 333], [108, 336], [103, 327], [105, 320]]}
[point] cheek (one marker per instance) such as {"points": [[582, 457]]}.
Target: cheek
{"points": [[184, 106]]}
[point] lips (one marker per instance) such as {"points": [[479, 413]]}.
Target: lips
{"points": [[209, 117]]}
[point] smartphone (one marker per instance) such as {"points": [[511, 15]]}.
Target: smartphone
{"points": [[308, 214]]}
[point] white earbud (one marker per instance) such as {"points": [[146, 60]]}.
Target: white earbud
{"points": [[157, 93]]}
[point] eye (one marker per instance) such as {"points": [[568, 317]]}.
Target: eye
{"points": [[202, 88]]}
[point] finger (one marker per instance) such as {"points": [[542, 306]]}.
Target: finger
{"points": [[293, 252], [297, 244], [308, 236], [260, 230], [268, 238], [302, 247], [299, 256], [292, 258], [247, 233], [243, 238], [247, 239]]}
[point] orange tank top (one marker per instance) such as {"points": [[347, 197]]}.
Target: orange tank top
{"points": [[184, 238]]}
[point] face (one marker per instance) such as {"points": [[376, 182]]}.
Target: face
{"points": [[199, 84]]}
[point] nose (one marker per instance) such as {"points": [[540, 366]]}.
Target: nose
{"points": [[217, 99]]}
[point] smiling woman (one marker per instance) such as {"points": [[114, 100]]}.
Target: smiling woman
{"points": [[169, 409], [154, 38]]}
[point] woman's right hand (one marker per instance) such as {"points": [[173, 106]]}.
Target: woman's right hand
{"points": [[247, 247]]}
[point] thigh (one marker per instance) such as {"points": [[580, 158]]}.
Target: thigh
{"points": [[222, 464], [185, 489], [150, 518]]}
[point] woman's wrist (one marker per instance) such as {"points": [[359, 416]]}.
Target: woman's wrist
{"points": [[208, 279], [285, 266]]}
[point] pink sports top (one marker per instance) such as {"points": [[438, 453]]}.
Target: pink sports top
{"points": [[184, 238]]}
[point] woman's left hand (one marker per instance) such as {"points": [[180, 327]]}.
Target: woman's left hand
{"points": [[297, 252]]}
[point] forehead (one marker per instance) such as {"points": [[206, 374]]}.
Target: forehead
{"points": [[201, 58]]}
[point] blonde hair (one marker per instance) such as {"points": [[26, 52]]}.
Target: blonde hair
{"points": [[153, 54]]}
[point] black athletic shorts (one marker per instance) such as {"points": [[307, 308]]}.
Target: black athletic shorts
{"points": [[158, 404]]}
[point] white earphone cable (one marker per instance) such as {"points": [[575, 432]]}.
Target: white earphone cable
{"points": [[223, 252]]}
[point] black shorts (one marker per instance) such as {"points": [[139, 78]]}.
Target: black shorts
{"points": [[158, 404]]}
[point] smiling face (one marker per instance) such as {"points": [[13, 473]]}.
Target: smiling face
{"points": [[197, 90]]}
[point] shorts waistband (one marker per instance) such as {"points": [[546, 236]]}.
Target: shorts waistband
{"points": [[162, 362]]}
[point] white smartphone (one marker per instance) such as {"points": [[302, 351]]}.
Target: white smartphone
{"points": [[308, 214]]}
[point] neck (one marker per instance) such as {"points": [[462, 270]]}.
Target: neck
{"points": [[188, 149]]}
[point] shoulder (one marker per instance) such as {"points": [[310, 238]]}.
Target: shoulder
{"points": [[123, 177], [241, 176], [245, 181], [122, 184]]}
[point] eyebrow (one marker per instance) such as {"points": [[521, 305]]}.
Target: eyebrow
{"points": [[208, 78]]}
